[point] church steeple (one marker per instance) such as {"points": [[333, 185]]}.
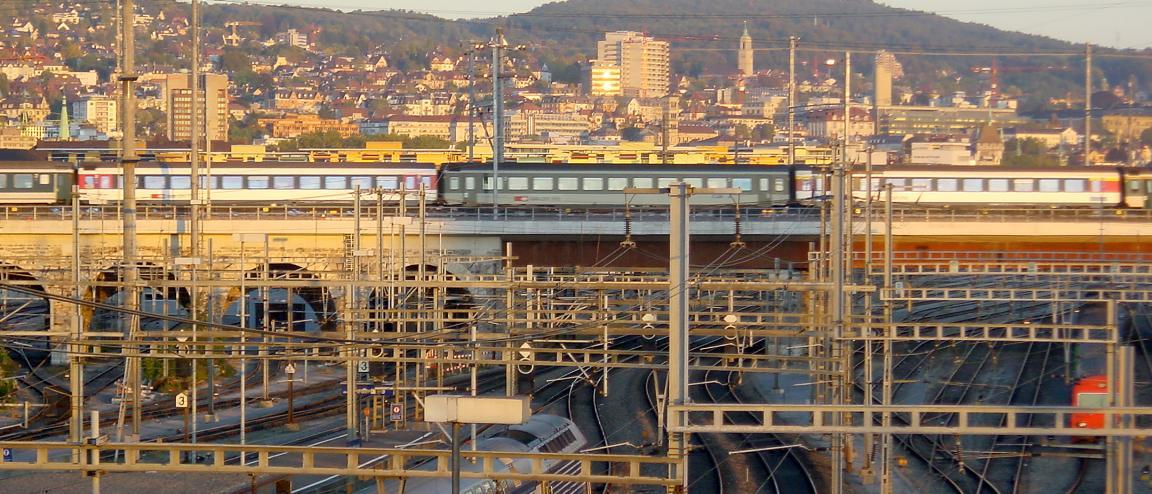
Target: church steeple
{"points": [[65, 125], [744, 63]]}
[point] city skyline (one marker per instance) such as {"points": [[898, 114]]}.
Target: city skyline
{"points": [[1117, 24]]}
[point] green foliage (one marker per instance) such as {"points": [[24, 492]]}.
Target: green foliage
{"points": [[1028, 152], [413, 142], [328, 139]]}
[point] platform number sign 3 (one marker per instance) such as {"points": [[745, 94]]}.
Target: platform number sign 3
{"points": [[182, 400]]}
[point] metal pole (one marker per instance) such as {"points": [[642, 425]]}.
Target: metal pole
{"points": [[471, 104], [497, 114], [266, 292], [1087, 103], [128, 160], [351, 371], [75, 357], [678, 267], [243, 350], [839, 448], [455, 458], [791, 99], [887, 377]]}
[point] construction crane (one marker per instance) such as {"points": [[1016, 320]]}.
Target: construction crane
{"points": [[995, 70], [233, 39]]}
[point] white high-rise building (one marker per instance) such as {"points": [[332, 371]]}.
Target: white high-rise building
{"points": [[643, 62]]}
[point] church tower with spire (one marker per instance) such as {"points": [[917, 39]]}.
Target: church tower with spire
{"points": [[65, 124], [745, 56]]}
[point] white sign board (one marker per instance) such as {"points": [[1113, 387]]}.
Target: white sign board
{"points": [[477, 409], [182, 400]]}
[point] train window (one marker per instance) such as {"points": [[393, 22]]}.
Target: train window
{"points": [[154, 182], [22, 181], [997, 185], [517, 183], [45, 179], [946, 185], [643, 183], [543, 183], [87, 181], [309, 182], [1133, 186], [231, 182], [470, 183], [596, 183], [568, 183], [335, 182], [388, 183], [426, 181], [453, 183], [614, 183], [897, 183], [362, 182], [1092, 400], [258, 181], [487, 182], [921, 185], [778, 185], [179, 182], [410, 182], [283, 183], [972, 185], [717, 183], [1049, 185], [1074, 185], [744, 184], [665, 183], [695, 182], [1023, 185]]}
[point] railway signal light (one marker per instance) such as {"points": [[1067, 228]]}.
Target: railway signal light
{"points": [[525, 366]]}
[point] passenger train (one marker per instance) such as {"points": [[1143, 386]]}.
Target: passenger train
{"points": [[572, 186], [541, 434]]}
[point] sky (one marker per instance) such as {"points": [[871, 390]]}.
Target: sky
{"points": [[1113, 23]]}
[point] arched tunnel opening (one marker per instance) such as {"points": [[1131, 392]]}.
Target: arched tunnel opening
{"points": [[162, 301], [21, 311], [286, 308]]}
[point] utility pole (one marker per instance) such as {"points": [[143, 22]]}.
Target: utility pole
{"points": [[1087, 103], [498, 46], [791, 99], [75, 349], [886, 376], [678, 302], [472, 101], [128, 161], [841, 447]]}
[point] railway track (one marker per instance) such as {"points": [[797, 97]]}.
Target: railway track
{"points": [[783, 470]]}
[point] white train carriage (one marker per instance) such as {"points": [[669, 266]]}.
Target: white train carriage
{"points": [[994, 186], [266, 184]]}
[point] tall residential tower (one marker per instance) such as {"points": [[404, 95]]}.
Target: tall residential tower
{"points": [[642, 60]]}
